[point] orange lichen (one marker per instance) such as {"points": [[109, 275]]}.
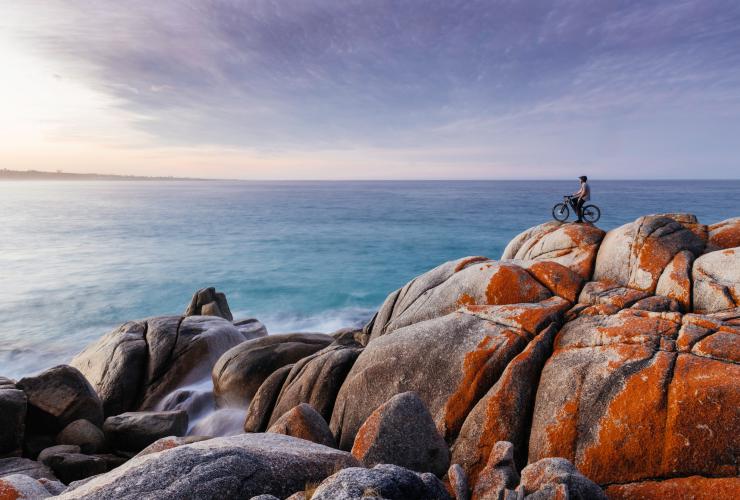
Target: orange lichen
{"points": [[694, 487], [511, 285], [728, 237], [367, 435], [8, 491], [562, 433], [559, 279], [465, 300], [470, 260]]}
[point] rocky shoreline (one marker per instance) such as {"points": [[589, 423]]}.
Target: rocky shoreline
{"points": [[582, 364]]}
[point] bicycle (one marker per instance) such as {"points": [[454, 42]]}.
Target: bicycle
{"points": [[561, 212]]}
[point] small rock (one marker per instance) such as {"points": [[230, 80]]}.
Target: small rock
{"points": [[458, 482], [402, 432], [46, 455], [12, 420], [70, 467], [134, 431], [20, 486], [209, 302], [84, 434], [548, 473], [305, 423], [57, 397], [499, 474]]}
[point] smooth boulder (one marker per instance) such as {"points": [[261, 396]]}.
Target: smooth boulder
{"points": [[716, 278], [134, 431], [70, 467], [231, 467], [240, 371], [305, 423], [263, 401], [401, 432], [551, 473], [209, 302], [84, 434], [724, 234]]}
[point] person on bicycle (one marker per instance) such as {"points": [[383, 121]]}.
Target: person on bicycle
{"points": [[581, 196]]}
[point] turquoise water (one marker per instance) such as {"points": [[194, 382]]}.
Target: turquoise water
{"points": [[78, 258]]}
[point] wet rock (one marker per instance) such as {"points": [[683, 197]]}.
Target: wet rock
{"points": [[195, 403], [251, 328], [505, 412], [316, 380], [450, 362], [263, 402], [57, 397], [209, 302], [31, 468], [169, 442], [305, 423], [636, 254], [137, 365], [554, 472], [402, 432], [694, 487], [717, 281], [232, 467], [241, 370], [70, 467], [382, 481], [21, 487], [134, 431], [46, 455], [458, 482], [12, 420], [443, 290], [499, 474], [572, 245], [675, 281], [725, 234], [84, 434]]}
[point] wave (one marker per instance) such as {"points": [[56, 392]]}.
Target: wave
{"points": [[325, 322]]}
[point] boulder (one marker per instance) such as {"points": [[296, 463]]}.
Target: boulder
{"points": [[450, 362], [241, 370], [458, 482], [636, 254], [251, 328], [717, 281], [610, 294], [137, 365], [169, 442], [305, 423], [560, 280], [466, 282], [60, 449], [572, 245], [22, 487], [134, 431], [84, 434], [725, 234], [385, 481], [693, 487], [401, 432], [555, 472], [316, 380], [263, 402], [675, 281], [31, 468], [13, 404], [505, 412], [57, 397], [618, 397], [209, 302], [70, 467], [231, 467], [499, 474]]}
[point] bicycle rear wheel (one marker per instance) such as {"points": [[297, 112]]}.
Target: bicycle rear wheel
{"points": [[560, 212], [591, 213]]}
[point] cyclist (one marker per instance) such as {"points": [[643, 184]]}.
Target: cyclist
{"points": [[580, 197]]}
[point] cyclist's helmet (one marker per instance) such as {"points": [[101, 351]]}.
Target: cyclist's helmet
{"points": [[583, 178]]}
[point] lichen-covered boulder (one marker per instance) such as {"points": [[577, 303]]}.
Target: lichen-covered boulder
{"points": [[23, 487], [693, 487], [241, 370], [385, 481], [636, 254], [499, 474], [469, 281], [401, 432], [628, 397], [304, 422], [240, 466], [134, 431], [263, 402], [675, 281], [459, 485], [57, 397], [450, 362], [717, 281], [13, 405], [316, 380], [724, 234], [209, 302], [136, 365], [572, 245]]}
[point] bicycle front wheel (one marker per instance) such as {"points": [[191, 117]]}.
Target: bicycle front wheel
{"points": [[560, 212], [591, 213]]}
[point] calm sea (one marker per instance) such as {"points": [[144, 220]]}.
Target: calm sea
{"points": [[78, 258]]}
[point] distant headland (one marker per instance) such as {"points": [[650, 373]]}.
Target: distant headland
{"points": [[58, 175]]}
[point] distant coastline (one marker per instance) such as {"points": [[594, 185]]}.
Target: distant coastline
{"points": [[39, 175]]}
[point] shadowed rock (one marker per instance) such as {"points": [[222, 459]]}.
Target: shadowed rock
{"points": [[57, 397], [402, 432], [134, 431], [717, 281], [31, 468], [675, 281], [231, 467], [549, 473], [263, 402], [137, 365], [657, 303], [241, 370], [46, 455], [84, 434], [382, 481], [458, 482], [499, 474], [70, 467], [209, 302], [12, 420], [305, 423]]}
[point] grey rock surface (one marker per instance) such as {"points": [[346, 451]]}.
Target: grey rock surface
{"points": [[84, 434], [550, 472], [21, 486], [134, 431], [46, 454], [32, 468], [716, 278]]}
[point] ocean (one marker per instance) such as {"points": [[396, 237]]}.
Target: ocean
{"points": [[78, 258]]}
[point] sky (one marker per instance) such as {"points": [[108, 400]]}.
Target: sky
{"points": [[372, 89]]}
